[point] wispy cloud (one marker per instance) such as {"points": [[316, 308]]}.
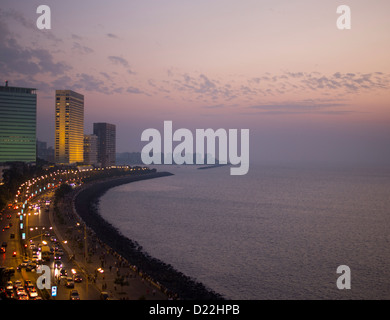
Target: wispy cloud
{"points": [[118, 60], [308, 106], [134, 90], [121, 62], [112, 36], [224, 90], [6, 14], [77, 47], [203, 87]]}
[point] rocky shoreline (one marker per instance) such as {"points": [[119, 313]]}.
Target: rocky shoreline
{"points": [[86, 205]]}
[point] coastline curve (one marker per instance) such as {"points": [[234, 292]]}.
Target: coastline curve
{"points": [[85, 205]]}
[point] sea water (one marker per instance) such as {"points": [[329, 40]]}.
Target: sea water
{"points": [[279, 232]]}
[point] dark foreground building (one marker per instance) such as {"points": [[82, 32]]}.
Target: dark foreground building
{"points": [[106, 134]]}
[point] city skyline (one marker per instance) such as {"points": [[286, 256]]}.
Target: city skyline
{"points": [[306, 90], [194, 150]]}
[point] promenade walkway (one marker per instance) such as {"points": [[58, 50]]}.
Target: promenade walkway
{"points": [[117, 270]]}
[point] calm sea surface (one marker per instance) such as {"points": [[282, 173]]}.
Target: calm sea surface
{"points": [[278, 232]]}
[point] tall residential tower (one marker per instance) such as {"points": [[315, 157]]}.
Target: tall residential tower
{"points": [[106, 134], [69, 127], [90, 149], [18, 109]]}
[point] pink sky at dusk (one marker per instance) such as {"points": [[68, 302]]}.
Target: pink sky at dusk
{"points": [[307, 91]]}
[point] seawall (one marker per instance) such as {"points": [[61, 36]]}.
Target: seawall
{"points": [[86, 205]]}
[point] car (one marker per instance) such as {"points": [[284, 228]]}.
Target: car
{"points": [[104, 296], [10, 294], [53, 239], [2, 250], [57, 257], [20, 291], [31, 266], [27, 283], [9, 285], [74, 295], [23, 296], [63, 273], [32, 292], [10, 271], [69, 282], [17, 284], [14, 254], [24, 263], [58, 264], [78, 278]]}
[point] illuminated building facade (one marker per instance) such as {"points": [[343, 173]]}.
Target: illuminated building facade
{"points": [[18, 109], [69, 127]]}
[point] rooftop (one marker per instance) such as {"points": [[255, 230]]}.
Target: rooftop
{"points": [[8, 89]]}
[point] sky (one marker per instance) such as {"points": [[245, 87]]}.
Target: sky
{"points": [[307, 91]]}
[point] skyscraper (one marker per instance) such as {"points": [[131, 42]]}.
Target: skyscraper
{"points": [[69, 127], [106, 134], [18, 109], [90, 149]]}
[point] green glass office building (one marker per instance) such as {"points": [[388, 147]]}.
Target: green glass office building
{"points": [[18, 110]]}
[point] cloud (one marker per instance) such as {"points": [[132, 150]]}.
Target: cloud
{"points": [[218, 91], [296, 106], [308, 106], [77, 47], [88, 82], [295, 74], [216, 106], [18, 17], [121, 62], [106, 75], [350, 82], [62, 82], [134, 90], [76, 37], [220, 106], [24, 60], [158, 87], [27, 23], [112, 36], [203, 87]]}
